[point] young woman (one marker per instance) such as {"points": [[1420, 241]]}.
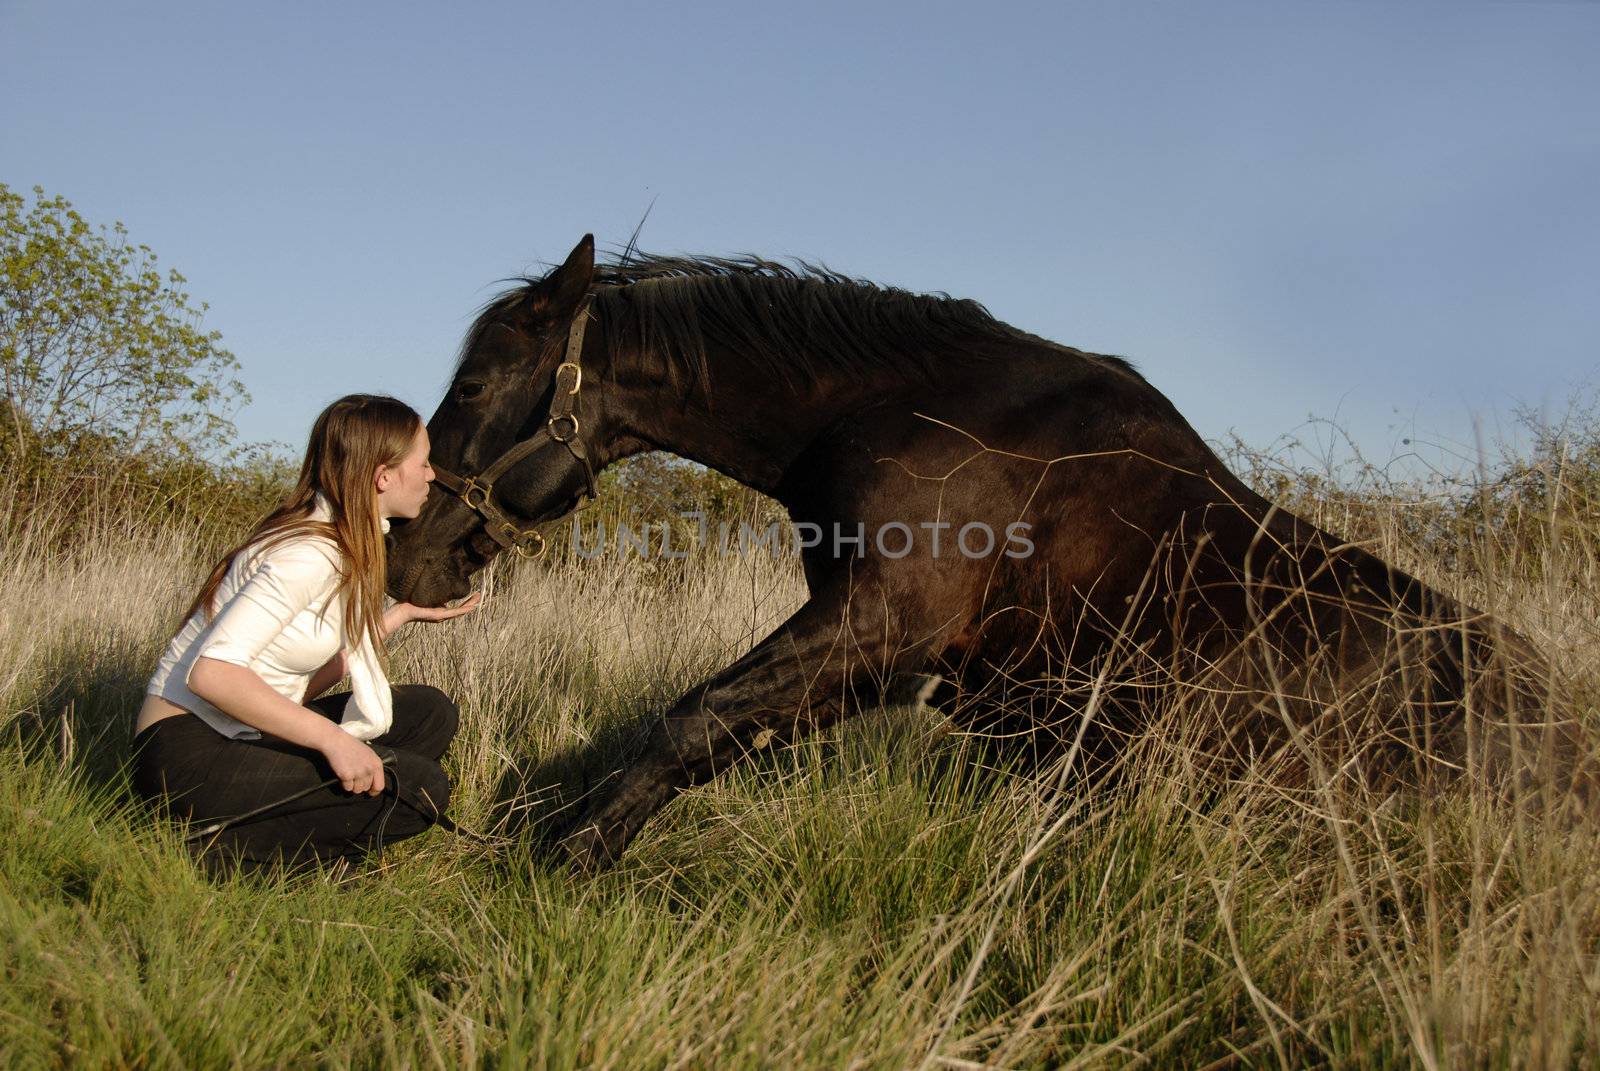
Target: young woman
{"points": [[231, 723]]}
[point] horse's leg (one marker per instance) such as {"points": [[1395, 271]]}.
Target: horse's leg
{"points": [[828, 660]]}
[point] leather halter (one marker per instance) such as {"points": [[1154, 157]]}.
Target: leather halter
{"points": [[561, 426]]}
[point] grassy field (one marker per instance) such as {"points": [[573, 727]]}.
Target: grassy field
{"points": [[876, 897]]}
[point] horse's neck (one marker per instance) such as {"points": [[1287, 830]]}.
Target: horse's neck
{"points": [[737, 421]]}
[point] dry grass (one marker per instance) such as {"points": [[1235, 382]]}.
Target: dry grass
{"points": [[876, 898]]}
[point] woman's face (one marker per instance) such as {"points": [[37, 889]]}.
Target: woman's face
{"points": [[403, 488]]}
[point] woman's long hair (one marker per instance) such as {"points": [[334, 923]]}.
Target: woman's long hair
{"points": [[349, 440]]}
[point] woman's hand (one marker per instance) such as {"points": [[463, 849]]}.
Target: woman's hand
{"points": [[357, 765], [403, 612]]}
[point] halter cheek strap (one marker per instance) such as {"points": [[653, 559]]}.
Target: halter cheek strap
{"points": [[562, 426]]}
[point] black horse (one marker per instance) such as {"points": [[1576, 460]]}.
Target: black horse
{"points": [[1034, 524]]}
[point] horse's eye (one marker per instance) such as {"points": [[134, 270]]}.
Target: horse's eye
{"points": [[469, 390]]}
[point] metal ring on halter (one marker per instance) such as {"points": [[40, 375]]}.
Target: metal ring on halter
{"points": [[521, 541], [577, 372], [554, 422], [483, 489]]}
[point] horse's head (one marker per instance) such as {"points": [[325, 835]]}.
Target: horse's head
{"points": [[508, 445]]}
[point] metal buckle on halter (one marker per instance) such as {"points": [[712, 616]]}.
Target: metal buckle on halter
{"points": [[553, 423], [471, 484], [521, 541], [577, 374]]}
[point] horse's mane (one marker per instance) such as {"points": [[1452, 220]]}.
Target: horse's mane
{"points": [[795, 322]]}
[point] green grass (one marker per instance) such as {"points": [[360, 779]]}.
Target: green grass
{"points": [[877, 897]]}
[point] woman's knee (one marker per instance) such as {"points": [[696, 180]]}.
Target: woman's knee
{"points": [[434, 709], [430, 699]]}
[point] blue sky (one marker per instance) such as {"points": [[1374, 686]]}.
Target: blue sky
{"points": [[1382, 213]]}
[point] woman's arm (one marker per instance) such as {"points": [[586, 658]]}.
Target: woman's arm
{"points": [[287, 580], [402, 613], [239, 693], [399, 614]]}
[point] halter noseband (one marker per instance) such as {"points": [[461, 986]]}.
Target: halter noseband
{"points": [[561, 426]]}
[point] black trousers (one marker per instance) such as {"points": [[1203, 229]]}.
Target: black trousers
{"points": [[194, 772]]}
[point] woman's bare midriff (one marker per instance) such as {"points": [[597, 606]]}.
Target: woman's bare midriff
{"points": [[154, 709]]}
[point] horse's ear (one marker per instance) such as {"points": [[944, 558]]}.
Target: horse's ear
{"points": [[559, 292]]}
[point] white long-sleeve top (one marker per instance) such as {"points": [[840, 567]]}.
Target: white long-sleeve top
{"points": [[278, 615]]}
